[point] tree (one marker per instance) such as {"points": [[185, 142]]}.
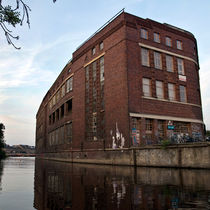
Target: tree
{"points": [[2, 143], [13, 16]]}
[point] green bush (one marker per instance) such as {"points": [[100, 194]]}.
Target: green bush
{"points": [[165, 143]]}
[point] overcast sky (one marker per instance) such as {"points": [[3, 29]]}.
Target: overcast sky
{"points": [[57, 29]]}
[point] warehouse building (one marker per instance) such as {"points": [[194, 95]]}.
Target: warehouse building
{"points": [[134, 82]]}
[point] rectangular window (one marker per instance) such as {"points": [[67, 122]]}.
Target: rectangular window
{"points": [[54, 100], [145, 57], [69, 105], [149, 130], [144, 33], [168, 41], [169, 63], [180, 65], [57, 115], [69, 84], [101, 69], [178, 44], [62, 111], [146, 87], [157, 60], [159, 89], [94, 71], [161, 130], [63, 91], [171, 92], [94, 126], [93, 51], [183, 95], [101, 46], [157, 37]]}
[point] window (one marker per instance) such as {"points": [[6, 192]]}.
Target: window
{"points": [[101, 46], [159, 89], [157, 60], [178, 44], [57, 115], [161, 130], [146, 87], [62, 91], [157, 37], [145, 57], [69, 84], [62, 110], [183, 95], [171, 92], [168, 41], [94, 126], [93, 51], [69, 105], [149, 130], [53, 100], [169, 63], [58, 96], [144, 34], [101, 69], [180, 64]]}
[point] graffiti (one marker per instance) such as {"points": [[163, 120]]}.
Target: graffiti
{"points": [[135, 136], [118, 141]]}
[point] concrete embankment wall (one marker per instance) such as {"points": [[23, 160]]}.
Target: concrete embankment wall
{"points": [[180, 156]]}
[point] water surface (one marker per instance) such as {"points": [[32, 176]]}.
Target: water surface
{"points": [[26, 183]]}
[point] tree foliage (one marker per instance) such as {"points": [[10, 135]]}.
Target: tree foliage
{"points": [[13, 16], [2, 142]]}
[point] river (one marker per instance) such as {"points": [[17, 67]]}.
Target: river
{"points": [[29, 183]]}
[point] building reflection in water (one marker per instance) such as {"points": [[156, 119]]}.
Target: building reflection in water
{"points": [[65, 186]]}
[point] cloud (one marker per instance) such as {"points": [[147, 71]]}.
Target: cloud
{"points": [[204, 83]]}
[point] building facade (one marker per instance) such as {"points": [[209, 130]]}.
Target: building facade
{"points": [[134, 82]]}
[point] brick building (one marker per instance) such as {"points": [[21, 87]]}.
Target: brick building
{"points": [[134, 82]]}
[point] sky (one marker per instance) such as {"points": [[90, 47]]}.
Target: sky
{"points": [[55, 33]]}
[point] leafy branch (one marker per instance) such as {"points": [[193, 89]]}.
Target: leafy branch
{"points": [[14, 16]]}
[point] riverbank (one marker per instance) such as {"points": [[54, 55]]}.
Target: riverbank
{"points": [[196, 155]]}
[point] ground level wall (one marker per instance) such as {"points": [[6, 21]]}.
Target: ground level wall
{"points": [[195, 155]]}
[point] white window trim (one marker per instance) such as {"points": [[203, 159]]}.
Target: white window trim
{"points": [[167, 52]]}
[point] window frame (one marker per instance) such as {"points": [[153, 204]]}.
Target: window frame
{"points": [[161, 88], [171, 90], [180, 66], [168, 41], [179, 45], [146, 86], [169, 63], [156, 37], [144, 33], [183, 98], [145, 61], [157, 60]]}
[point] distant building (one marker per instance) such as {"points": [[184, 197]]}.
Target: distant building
{"points": [[134, 82]]}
